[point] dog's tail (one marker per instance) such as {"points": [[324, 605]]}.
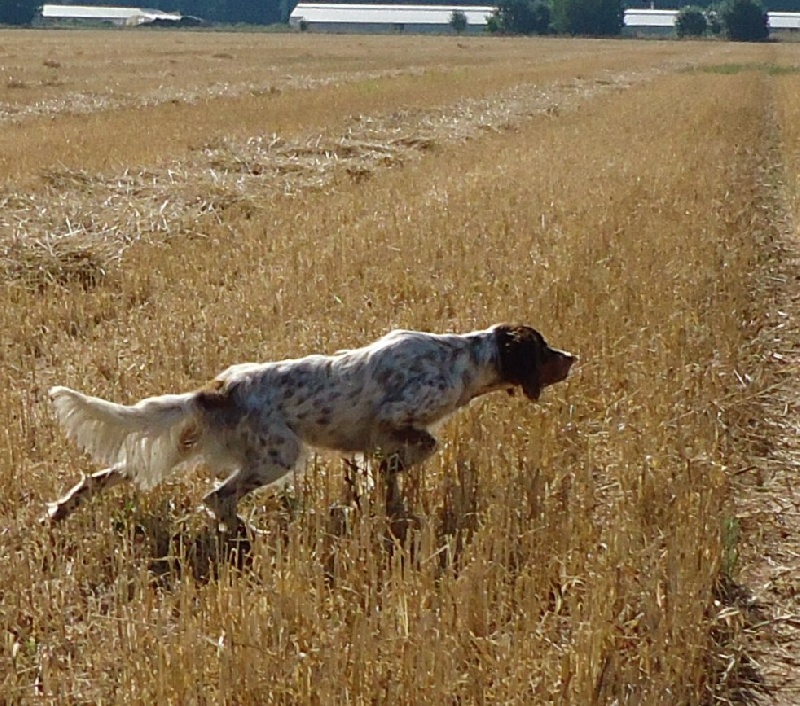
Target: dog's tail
{"points": [[145, 441]]}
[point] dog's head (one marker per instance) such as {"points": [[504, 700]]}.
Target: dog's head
{"points": [[528, 362]]}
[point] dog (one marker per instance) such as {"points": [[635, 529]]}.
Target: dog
{"points": [[254, 420]]}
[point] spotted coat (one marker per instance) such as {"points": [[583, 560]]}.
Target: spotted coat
{"points": [[254, 420]]}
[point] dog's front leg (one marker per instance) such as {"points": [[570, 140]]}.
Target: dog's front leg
{"points": [[408, 446]]}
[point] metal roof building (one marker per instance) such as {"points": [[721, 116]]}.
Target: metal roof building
{"points": [[650, 18], [664, 20], [334, 17], [122, 16], [784, 20]]}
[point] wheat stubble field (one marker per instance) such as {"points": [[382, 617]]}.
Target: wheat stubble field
{"points": [[177, 202]]}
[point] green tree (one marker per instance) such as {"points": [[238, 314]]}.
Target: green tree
{"points": [[691, 21], [521, 17], [541, 17], [458, 21], [599, 18], [18, 12], [745, 20], [233, 11], [253, 13], [714, 22]]}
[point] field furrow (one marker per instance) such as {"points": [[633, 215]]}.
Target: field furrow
{"points": [[767, 498]]}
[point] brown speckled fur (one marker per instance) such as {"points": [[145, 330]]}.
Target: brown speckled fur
{"points": [[253, 421]]}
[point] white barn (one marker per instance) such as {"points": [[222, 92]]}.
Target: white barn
{"points": [[334, 17], [654, 19], [784, 21], [663, 21], [341, 17], [121, 16]]}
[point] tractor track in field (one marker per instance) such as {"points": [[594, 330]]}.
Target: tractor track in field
{"points": [[768, 492]]}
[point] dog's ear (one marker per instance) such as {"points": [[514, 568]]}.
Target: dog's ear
{"points": [[520, 352], [528, 362]]}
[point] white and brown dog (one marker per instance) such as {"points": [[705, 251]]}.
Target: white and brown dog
{"points": [[254, 420]]}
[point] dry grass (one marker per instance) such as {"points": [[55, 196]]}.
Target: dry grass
{"points": [[80, 210], [568, 552], [767, 495], [122, 104]]}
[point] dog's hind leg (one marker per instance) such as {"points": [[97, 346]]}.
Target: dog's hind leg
{"points": [[88, 486], [268, 457], [223, 501]]}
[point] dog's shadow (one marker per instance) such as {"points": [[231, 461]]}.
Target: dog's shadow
{"points": [[190, 546], [203, 553], [194, 546]]}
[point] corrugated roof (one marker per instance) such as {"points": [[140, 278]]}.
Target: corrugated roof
{"points": [[666, 18], [389, 14], [784, 20], [89, 12], [476, 15], [650, 18]]}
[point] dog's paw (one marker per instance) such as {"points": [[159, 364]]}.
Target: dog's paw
{"points": [[54, 513]]}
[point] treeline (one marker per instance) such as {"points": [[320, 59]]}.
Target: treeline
{"points": [[254, 12], [739, 20], [599, 18], [596, 17], [770, 5]]}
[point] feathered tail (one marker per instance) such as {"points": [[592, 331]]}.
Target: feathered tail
{"points": [[145, 441]]}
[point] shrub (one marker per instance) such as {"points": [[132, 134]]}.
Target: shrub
{"points": [[18, 12], [714, 23], [598, 18], [745, 20], [458, 21], [541, 17], [520, 17], [691, 22]]}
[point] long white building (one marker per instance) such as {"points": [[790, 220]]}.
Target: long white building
{"points": [[665, 20], [335, 17], [121, 16], [341, 17]]}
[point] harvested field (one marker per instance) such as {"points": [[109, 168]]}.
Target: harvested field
{"points": [[77, 210], [219, 198]]}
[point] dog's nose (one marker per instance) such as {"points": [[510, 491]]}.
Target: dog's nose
{"points": [[565, 363], [556, 367]]}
